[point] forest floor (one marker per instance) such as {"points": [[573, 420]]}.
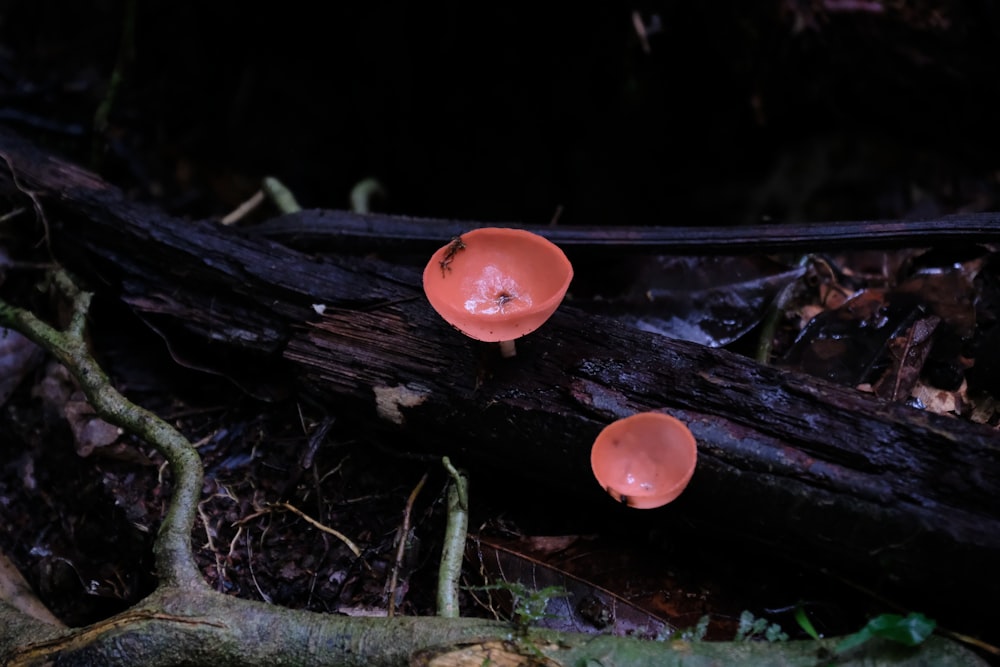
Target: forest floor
{"points": [[79, 505]]}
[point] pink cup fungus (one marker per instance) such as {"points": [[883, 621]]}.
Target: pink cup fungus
{"points": [[496, 284], [645, 460]]}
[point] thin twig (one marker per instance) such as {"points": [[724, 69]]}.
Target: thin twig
{"points": [[404, 539], [33, 196], [244, 209], [253, 576], [326, 529]]}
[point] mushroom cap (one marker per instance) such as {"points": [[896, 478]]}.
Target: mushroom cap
{"points": [[496, 283], [645, 460]]}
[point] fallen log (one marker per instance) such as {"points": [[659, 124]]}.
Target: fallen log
{"points": [[885, 494]]}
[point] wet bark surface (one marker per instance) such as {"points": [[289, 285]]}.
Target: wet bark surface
{"points": [[791, 466]]}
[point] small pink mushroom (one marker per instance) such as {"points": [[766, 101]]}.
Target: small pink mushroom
{"points": [[645, 460]]}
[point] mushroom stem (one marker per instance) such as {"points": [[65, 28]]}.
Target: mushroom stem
{"points": [[507, 348]]}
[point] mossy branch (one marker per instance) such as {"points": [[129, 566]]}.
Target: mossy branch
{"points": [[174, 558]]}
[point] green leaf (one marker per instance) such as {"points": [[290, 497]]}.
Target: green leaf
{"points": [[909, 630], [805, 623], [745, 626], [773, 633], [850, 641]]}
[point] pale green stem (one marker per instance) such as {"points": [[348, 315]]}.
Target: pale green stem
{"points": [[769, 325], [281, 195], [125, 55], [363, 193], [453, 551]]}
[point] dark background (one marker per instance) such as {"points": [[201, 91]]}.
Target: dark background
{"points": [[739, 112]]}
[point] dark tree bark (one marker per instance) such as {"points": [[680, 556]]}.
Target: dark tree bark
{"points": [[789, 465]]}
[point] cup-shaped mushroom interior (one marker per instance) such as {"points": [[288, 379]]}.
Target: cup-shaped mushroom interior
{"points": [[645, 460], [497, 284]]}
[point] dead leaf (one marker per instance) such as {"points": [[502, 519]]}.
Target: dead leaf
{"points": [[907, 353], [885, 336], [939, 401], [948, 293], [89, 430], [18, 356], [587, 608], [707, 300], [60, 396], [845, 344]]}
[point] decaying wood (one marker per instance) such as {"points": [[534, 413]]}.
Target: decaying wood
{"points": [[312, 228], [877, 491]]}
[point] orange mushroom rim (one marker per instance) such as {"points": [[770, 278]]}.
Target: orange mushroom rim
{"points": [[645, 460], [497, 284]]}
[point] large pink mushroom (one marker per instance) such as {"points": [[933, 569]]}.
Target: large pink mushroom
{"points": [[496, 284]]}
